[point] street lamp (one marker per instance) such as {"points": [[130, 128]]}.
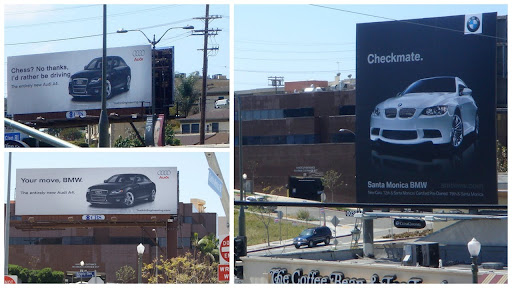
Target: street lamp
{"points": [[81, 270], [140, 251], [153, 43], [351, 134], [474, 249], [241, 217], [356, 234], [156, 253]]}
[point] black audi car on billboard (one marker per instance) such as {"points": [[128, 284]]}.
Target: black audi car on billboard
{"points": [[87, 83], [122, 189]]}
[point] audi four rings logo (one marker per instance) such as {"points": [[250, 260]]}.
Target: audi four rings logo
{"points": [[164, 172], [138, 53]]}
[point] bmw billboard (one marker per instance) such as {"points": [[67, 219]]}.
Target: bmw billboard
{"points": [[71, 81], [426, 109], [92, 191]]}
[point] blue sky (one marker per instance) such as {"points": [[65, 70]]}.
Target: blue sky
{"points": [[307, 42], [192, 166], [34, 23]]}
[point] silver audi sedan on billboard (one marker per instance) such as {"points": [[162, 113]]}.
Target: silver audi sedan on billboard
{"points": [[437, 110]]}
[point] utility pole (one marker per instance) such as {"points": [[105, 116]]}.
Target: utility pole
{"points": [[206, 33], [104, 140]]}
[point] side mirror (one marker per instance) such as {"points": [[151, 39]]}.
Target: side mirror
{"points": [[104, 181], [466, 91], [85, 67]]}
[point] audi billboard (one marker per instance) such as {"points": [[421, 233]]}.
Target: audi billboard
{"points": [[89, 191], [426, 111], [71, 81]]}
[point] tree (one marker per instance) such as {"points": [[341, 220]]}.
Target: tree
{"points": [[130, 141], [502, 161], [186, 94], [125, 274], [169, 136], [332, 181], [263, 213], [183, 269], [71, 134], [208, 245]]}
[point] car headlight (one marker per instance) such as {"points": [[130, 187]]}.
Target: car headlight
{"points": [[435, 110], [116, 191], [376, 112], [96, 80]]}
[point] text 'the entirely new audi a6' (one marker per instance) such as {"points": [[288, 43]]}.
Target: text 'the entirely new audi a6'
{"points": [[122, 189], [438, 110]]}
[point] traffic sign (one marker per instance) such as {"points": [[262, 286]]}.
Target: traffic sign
{"points": [[335, 221], [85, 274], [10, 279], [224, 249], [12, 136], [214, 182], [223, 272]]}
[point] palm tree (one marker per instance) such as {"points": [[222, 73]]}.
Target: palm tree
{"points": [[195, 243], [208, 245], [187, 94]]}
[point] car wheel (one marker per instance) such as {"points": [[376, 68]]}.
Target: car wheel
{"points": [[151, 197], [311, 243], [327, 241], [297, 246], [129, 199], [457, 131], [108, 89], [128, 82]]}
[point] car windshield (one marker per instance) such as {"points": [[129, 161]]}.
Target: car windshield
{"points": [[432, 85], [120, 179], [95, 64], [307, 232]]}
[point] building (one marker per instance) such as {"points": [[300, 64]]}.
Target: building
{"points": [[61, 242]]}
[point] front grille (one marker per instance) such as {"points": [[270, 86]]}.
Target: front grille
{"points": [[390, 112], [99, 192], [407, 112], [80, 85], [99, 198], [399, 135]]}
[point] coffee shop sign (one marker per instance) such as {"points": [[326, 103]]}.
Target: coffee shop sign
{"points": [[281, 276]]}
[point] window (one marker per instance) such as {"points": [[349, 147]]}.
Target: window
{"points": [[348, 110], [195, 128], [185, 128], [215, 127]]}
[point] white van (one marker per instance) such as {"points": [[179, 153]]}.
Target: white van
{"points": [[221, 103]]}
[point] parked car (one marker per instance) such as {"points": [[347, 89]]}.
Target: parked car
{"points": [[437, 110], [221, 103], [87, 83], [313, 236], [122, 189]]}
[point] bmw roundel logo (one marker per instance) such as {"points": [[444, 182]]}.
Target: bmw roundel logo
{"points": [[473, 24], [399, 104]]}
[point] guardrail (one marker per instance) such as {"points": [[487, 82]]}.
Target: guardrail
{"points": [[54, 141]]}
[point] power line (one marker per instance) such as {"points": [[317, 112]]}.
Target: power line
{"points": [[49, 10], [85, 36], [292, 44], [297, 59], [288, 52], [308, 71], [90, 18], [404, 21]]}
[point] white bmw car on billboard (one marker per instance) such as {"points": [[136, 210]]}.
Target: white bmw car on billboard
{"points": [[437, 110]]}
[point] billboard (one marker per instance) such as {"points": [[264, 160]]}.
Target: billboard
{"points": [[71, 81], [426, 108], [91, 191]]}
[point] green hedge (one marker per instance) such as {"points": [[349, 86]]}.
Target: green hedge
{"points": [[45, 275]]}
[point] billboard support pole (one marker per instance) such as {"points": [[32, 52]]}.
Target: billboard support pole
{"points": [[7, 218], [368, 236], [103, 124]]}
